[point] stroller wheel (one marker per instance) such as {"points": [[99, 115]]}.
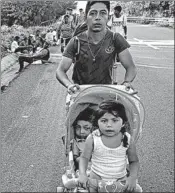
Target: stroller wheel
{"points": [[60, 189]]}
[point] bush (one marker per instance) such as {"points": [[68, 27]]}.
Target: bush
{"points": [[7, 34]]}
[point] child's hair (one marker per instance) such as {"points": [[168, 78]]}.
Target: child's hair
{"points": [[115, 108], [86, 115]]}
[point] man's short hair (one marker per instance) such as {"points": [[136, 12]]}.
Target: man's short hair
{"points": [[70, 9], [17, 38], [90, 3], [80, 9], [66, 16], [118, 8]]}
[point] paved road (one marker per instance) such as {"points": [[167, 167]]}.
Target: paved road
{"points": [[34, 113]]}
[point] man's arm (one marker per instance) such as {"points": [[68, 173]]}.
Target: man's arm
{"points": [[61, 71], [127, 62]]}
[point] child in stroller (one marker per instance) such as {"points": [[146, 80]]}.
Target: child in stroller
{"points": [[82, 128], [90, 96], [109, 146]]}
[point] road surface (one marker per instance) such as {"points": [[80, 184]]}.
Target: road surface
{"points": [[33, 116]]}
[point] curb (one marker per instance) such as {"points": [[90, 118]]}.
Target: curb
{"points": [[8, 75]]}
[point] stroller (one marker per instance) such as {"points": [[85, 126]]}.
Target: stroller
{"points": [[89, 97]]}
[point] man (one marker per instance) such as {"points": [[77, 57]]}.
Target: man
{"points": [[65, 31], [81, 17], [42, 54], [69, 12], [97, 52], [118, 22]]}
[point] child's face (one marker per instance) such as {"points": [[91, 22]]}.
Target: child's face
{"points": [[110, 125], [83, 128]]}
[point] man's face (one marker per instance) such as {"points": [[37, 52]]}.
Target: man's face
{"points": [[116, 12], [67, 12], [37, 33], [66, 19], [97, 17]]}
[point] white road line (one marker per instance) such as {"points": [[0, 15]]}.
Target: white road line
{"points": [[146, 43], [57, 55], [156, 67], [154, 58]]}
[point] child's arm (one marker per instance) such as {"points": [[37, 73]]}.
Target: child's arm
{"points": [[133, 167], [84, 159]]}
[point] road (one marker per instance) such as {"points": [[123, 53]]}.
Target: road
{"points": [[33, 116]]}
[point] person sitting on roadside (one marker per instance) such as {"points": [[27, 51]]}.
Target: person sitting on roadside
{"points": [[16, 48], [24, 42], [42, 54], [38, 40], [65, 30]]}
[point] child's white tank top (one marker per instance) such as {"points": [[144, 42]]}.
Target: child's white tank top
{"points": [[109, 163]]}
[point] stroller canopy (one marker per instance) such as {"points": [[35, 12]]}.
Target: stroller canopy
{"points": [[93, 95]]}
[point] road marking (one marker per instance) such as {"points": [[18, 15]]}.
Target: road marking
{"points": [[148, 57], [56, 55], [146, 43], [157, 67]]}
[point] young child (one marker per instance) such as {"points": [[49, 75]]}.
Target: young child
{"points": [[110, 146], [82, 128]]}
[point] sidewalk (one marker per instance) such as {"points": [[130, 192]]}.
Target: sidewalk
{"points": [[10, 67], [9, 73]]}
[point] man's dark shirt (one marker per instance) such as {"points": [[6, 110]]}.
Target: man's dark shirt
{"points": [[86, 71]]}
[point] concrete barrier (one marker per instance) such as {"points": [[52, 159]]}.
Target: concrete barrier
{"points": [[151, 19]]}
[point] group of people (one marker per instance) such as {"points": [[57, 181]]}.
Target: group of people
{"points": [[68, 25], [110, 145], [30, 49]]}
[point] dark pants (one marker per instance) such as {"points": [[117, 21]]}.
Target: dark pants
{"points": [[23, 59], [64, 42]]}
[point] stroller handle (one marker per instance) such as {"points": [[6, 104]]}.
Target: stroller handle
{"points": [[130, 91]]}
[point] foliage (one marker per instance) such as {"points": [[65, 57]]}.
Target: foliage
{"points": [[29, 13]]}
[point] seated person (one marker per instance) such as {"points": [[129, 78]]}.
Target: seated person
{"points": [[42, 54], [82, 128], [16, 47]]}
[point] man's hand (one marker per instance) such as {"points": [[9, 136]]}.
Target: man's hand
{"points": [[73, 88], [128, 85]]}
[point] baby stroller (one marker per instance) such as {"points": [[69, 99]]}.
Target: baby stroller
{"points": [[89, 97]]}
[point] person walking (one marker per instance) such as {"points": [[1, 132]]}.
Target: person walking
{"points": [[118, 24], [98, 47], [65, 30]]}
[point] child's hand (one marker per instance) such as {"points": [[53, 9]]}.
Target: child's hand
{"points": [[82, 180], [130, 185]]}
